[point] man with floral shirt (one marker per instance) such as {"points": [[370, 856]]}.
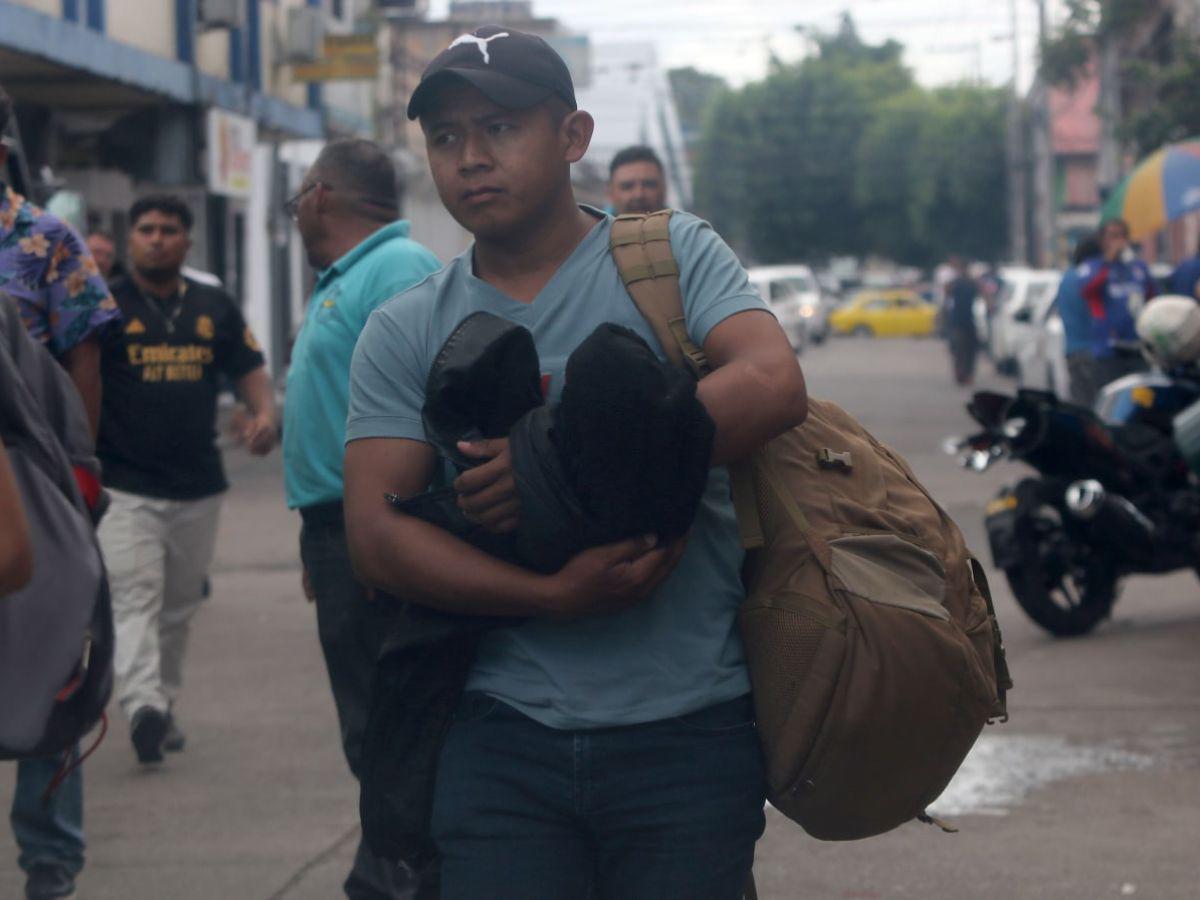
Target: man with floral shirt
{"points": [[64, 303], [45, 264]]}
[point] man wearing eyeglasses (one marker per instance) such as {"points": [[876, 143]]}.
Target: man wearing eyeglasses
{"points": [[348, 213]]}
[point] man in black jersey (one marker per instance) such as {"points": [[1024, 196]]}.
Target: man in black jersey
{"points": [[157, 444]]}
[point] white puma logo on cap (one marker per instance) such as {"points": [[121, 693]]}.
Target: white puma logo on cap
{"points": [[481, 43]]}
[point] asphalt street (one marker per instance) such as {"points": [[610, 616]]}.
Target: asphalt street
{"points": [[1092, 789]]}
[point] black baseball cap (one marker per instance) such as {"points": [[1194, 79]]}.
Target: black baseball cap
{"points": [[511, 68]]}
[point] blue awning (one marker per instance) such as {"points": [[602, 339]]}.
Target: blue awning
{"points": [[79, 49]]}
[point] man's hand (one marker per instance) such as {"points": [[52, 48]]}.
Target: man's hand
{"points": [[259, 434], [307, 586], [610, 578], [487, 494]]}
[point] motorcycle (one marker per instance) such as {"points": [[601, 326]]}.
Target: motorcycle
{"points": [[1116, 493]]}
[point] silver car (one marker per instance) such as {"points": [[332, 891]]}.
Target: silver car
{"points": [[1040, 356], [792, 293]]}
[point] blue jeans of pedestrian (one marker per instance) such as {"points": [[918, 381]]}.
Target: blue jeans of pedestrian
{"points": [[668, 809], [51, 833]]}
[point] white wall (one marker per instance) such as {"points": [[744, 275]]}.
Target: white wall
{"points": [[259, 290], [147, 26], [49, 7]]}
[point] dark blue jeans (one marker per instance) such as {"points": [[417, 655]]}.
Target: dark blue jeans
{"points": [[669, 809]]}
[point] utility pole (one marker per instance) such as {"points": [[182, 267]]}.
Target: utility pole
{"points": [[1018, 240], [1044, 246], [1108, 165]]}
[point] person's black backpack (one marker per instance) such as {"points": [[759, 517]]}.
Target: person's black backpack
{"points": [[56, 633]]}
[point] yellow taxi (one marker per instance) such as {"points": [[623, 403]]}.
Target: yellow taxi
{"points": [[884, 313]]}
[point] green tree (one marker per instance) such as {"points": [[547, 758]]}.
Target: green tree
{"points": [[1164, 104], [1065, 57], [844, 153], [775, 169], [929, 175], [1173, 112], [694, 91]]}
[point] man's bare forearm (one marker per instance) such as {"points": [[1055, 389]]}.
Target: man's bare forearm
{"points": [[256, 391], [422, 563], [750, 405], [82, 363]]}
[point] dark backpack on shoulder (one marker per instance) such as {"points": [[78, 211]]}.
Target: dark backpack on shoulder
{"points": [[56, 633]]}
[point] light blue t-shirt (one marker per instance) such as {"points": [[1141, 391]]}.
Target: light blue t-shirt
{"points": [[314, 415], [675, 653]]}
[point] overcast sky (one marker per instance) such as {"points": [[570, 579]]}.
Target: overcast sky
{"points": [[945, 40]]}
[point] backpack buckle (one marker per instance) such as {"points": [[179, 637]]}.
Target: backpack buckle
{"points": [[831, 459]]}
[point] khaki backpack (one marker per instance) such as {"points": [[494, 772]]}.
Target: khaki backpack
{"points": [[872, 645]]}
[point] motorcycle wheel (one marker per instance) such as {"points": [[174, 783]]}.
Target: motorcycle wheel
{"points": [[1067, 593]]}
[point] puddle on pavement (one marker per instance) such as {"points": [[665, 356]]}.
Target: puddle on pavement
{"points": [[1002, 769]]}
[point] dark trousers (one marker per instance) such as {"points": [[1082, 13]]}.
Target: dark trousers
{"points": [[669, 809], [964, 348], [351, 628], [1081, 368]]}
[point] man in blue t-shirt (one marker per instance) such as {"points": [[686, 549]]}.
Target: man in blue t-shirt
{"points": [[347, 211], [605, 747], [1077, 322], [1116, 285]]}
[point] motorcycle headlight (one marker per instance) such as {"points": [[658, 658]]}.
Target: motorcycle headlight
{"points": [[807, 310], [1014, 428]]}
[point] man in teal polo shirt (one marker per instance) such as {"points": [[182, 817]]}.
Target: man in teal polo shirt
{"points": [[347, 211]]}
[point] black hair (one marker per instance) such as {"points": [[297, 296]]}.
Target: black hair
{"points": [[6, 110], [1088, 246], [167, 204], [636, 153], [361, 168]]}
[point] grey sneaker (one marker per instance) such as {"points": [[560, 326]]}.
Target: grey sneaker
{"points": [[147, 730], [174, 740], [49, 881]]}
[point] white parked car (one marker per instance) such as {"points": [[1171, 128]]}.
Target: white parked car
{"points": [[1023, 294], [794, 297], [1041, 361]]}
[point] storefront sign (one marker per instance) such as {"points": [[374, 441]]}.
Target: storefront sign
{"points": [[231, 140], [346, 57]]}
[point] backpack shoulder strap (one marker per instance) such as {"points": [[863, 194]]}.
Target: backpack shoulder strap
{"points": [[641, 249]]}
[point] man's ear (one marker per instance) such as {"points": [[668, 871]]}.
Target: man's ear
{"points": [[576, 131]]}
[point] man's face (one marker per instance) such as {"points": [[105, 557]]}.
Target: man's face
{"points": [[305, 210], [637, 187], [1114, 240], [495, 168], [103, 252], [158, 244]]}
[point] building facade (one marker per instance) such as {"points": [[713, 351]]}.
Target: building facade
{"points": [[120, 98]]}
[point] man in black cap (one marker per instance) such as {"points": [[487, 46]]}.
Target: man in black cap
{"points": [[605, 747]]}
